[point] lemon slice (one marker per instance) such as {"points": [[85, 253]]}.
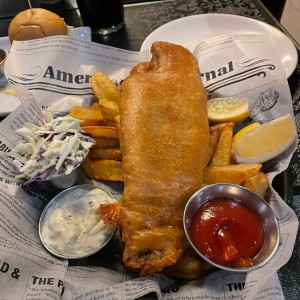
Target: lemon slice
{"points": [[245, 130], [265, 142], [227, 110]]}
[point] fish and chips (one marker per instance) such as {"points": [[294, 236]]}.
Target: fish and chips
{"points": [[157, 140]]}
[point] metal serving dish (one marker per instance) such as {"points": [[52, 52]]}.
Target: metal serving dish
{"points": [[67, 199], [249, 199]]}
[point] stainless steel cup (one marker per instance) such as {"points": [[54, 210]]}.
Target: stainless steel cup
{"points": [[249, 199]]}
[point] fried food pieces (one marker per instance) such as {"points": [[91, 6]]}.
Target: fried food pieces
{"points": [[90, 116], [150, 127], [104, 159], [222, 169], [108, 95], [164, 137]]}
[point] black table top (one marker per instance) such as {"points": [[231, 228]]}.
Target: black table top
{"points": [[141, 19], [144, 16]]}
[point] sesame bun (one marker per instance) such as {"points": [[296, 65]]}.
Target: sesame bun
{"points": [[36, 23]]}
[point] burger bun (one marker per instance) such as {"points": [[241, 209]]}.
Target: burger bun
{"points": [[36, 23]]}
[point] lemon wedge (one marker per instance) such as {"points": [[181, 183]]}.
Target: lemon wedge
{"points": [[244, 131], [265, 142], [227, 110]]}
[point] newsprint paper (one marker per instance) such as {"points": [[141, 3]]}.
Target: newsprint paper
{"points": [[57, 72]]}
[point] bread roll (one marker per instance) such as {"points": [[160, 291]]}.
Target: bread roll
{"points": [[36, 23]]}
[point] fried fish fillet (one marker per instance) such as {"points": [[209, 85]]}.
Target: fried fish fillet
{"points": [[164, 137]]}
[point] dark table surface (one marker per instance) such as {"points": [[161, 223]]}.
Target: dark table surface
{"points": [[141, 18]]}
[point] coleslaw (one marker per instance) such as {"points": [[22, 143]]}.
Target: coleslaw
{"points": [[53, 148]]}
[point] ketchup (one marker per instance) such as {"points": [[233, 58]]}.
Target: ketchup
{"points": [[227, 232]]}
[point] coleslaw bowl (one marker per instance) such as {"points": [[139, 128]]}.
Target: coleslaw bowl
{"points": [[51, 151]]}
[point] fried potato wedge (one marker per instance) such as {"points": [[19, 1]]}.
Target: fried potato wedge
{"points": [[103, 87], [89, 116], [105, 169], [86, 165], [95, 106], [112, 153], [218, 127], [109, 109], [259, 184], [215, 132], [103, 143], [213, 141], [187, 267], [102, 131], [236, 174], [105, 136], [222, 153]]}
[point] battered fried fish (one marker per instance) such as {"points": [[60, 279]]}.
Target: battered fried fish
{"points": [[164, 137]]}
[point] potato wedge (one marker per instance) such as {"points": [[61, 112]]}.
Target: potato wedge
{"points": [[187, 267], [236, 174], [105, 136], [86, 165], [112, 153], [103, 87], [105, 169], [259, 184], [222, 153], [89, 116], [102, 131], [215, 132], [218, 127], [109, 109], [213, 141], [95, 106], [103, 143]]}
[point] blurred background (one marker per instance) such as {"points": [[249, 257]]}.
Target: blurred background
{"points": [[290, 18], [288, 13]]}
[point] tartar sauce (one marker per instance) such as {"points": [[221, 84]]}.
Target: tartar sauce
{"points": [[75, 228]]}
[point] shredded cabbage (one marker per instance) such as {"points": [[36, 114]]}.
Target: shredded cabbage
{"points": [[53, 148]]}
